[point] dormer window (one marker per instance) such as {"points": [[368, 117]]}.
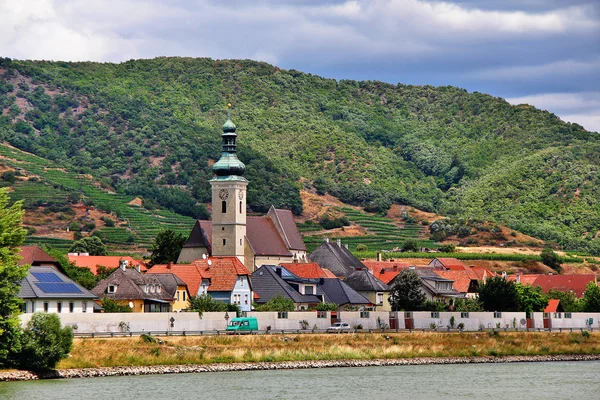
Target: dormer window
{"points": [[111, 289], [158, 289], [152, 288]]}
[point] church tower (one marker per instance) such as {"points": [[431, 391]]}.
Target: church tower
{"points": [[229, 198]]}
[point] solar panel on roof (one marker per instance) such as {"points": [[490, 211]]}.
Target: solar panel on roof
{"points": [[46, 276], [62, 287]]}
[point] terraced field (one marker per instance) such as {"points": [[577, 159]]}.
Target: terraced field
{"points": [[136, 226], [382, 233]]}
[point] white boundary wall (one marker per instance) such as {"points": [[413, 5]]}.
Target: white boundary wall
{"points": [[192, 322]]}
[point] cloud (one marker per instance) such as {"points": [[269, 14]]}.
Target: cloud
{"points": [[554, 69]]}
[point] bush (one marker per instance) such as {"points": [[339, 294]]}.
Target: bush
{"points": [[361, 247], [44, 342]]}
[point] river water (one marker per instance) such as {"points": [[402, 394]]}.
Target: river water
{"points": [[547, 380]]}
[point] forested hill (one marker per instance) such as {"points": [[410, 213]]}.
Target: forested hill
{"points": [[152, 128]]}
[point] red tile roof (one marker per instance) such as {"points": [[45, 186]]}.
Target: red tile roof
{"points": [[189, 273], [552, 305], [482, 273], [452, 264], [526, 279], [93, 262], [308, 270], [564, 283], [223, 273], [34, 255], [386, 271], [462, 279]]}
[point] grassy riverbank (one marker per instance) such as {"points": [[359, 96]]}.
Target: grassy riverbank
{"points": [[88, 353]]}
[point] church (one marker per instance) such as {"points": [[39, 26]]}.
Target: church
{"points": [[255, 240]]}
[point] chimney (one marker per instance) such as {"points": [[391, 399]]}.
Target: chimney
{"points": [[138, 269], [84, 254], [122, 265], [169, 265], [346, 246], [278, 271], [503, 274], [379, 256], [395, 268], [326, 240], [339, 242], [518, 278]]}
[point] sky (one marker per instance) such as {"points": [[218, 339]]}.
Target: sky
{"points": [[541, 52]]}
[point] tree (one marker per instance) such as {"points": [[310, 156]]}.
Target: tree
{"points": [[205, 303], [498, 294], [92, 245], [327, 307], [166, 246], [551, 259], [410, 246], [44, 342], [406, 293], [591, 298], [112, 306], [277, 303], [468, 305], [531, 299], [83, 276], [11, 274]]}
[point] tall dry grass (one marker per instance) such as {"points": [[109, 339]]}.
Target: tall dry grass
{"points": [[256, 348]]}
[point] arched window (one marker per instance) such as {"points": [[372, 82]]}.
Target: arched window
{"points": [[223, 206]]}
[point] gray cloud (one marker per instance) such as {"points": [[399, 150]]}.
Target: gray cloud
{"points": [[509, 48]]}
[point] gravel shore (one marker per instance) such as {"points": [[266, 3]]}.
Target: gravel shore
{"points": [[178, 369]]}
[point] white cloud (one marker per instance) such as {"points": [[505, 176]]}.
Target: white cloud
{"points": [[590, 122]]}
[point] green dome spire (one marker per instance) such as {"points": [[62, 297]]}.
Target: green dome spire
{"points": [[229, 165]]}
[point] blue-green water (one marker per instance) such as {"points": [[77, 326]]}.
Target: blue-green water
{"points": [[553, 380]]}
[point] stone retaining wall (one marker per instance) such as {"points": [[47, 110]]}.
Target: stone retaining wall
{"points": [[176, 369]]}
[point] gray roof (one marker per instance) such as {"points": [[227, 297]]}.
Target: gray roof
{"points": [[428, 280], [336, 291], [48, 283], [170, 282], [336, 258], [130, 285], [364, 281], [268, 284]]}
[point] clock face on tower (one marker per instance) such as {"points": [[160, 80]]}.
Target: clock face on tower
{"points": [[223, 194], [241, 194]]}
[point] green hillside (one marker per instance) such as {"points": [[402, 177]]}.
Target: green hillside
{"points": [[150, 128]]}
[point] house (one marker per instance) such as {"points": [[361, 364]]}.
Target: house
{"points": [[84, 260], [268, 282], [385, 271], [482, 273], [224, 278], [36, 257], [141, 292], [48, 290], [336, 258], [337, 291], [554, 306], [448, 264], [525, 279], [565, 283], [370, 287], [434, 286], [465, 282], [308, 270]]}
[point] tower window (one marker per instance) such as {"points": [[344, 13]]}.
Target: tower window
{"points": [[223, 206], [240, 207], [224, 242]]}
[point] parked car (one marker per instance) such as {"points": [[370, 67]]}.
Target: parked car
{"points": [[243, 325], [339, 327]]}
